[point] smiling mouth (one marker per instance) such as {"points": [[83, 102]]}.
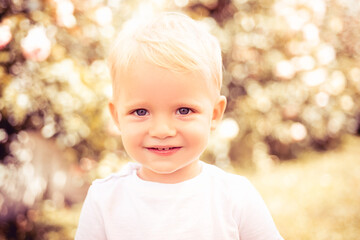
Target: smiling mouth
{"points": [[163, 148]]}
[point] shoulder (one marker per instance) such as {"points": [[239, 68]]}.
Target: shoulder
{"points": [[227, 179], [235, 188], [101, 188], [125, 171]]}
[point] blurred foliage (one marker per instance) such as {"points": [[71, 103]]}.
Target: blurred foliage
{"points": [[292, 79]]}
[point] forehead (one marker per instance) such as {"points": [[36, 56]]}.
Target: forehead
{"points": [[147, 79]]}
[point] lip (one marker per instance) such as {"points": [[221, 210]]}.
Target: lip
{"points": [[163, 150]]}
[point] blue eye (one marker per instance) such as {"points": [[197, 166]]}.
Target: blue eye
{"points": [[183, 111], [141, 112]]}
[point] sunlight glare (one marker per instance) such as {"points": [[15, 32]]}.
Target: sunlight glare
{"points": [[315, 77], [181, 3], [311, 33], [285, 69], [298, 131], [103, 16], [322, 99], [303, 63], [228, 129], [325, 54]]}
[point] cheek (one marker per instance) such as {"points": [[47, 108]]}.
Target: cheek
{"points": [[131, 143], [197, 133], [131, 136]]}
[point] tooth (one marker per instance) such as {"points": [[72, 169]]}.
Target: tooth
{"points": [[164, 149]]}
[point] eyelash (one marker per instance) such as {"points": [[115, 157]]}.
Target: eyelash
{"points": [[143, 112]]}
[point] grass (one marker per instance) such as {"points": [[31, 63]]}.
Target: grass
{"points": [[314, 197]]}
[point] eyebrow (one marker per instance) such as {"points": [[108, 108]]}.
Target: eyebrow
{"points": [[135, 105], [144, 104], [190, 105]]}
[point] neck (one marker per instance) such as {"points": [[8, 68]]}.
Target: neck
{"points": [[188, 172]]}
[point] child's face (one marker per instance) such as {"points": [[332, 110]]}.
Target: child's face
{"points": [[165, 120]]}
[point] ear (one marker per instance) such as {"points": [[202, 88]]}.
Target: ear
{"points": [[114, 113], [218, 111]]}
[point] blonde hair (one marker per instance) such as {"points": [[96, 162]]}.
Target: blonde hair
{"points": [[173, 41]]}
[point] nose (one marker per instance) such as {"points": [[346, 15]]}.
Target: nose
{"points": [[162, 127]]}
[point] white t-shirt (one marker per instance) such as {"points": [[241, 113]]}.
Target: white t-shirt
{"points": [[213, 205]]}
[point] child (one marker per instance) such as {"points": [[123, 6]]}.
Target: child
{"points": [[167, 77]]}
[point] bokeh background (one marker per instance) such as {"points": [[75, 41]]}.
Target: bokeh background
{"points": [[291, 76]]}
